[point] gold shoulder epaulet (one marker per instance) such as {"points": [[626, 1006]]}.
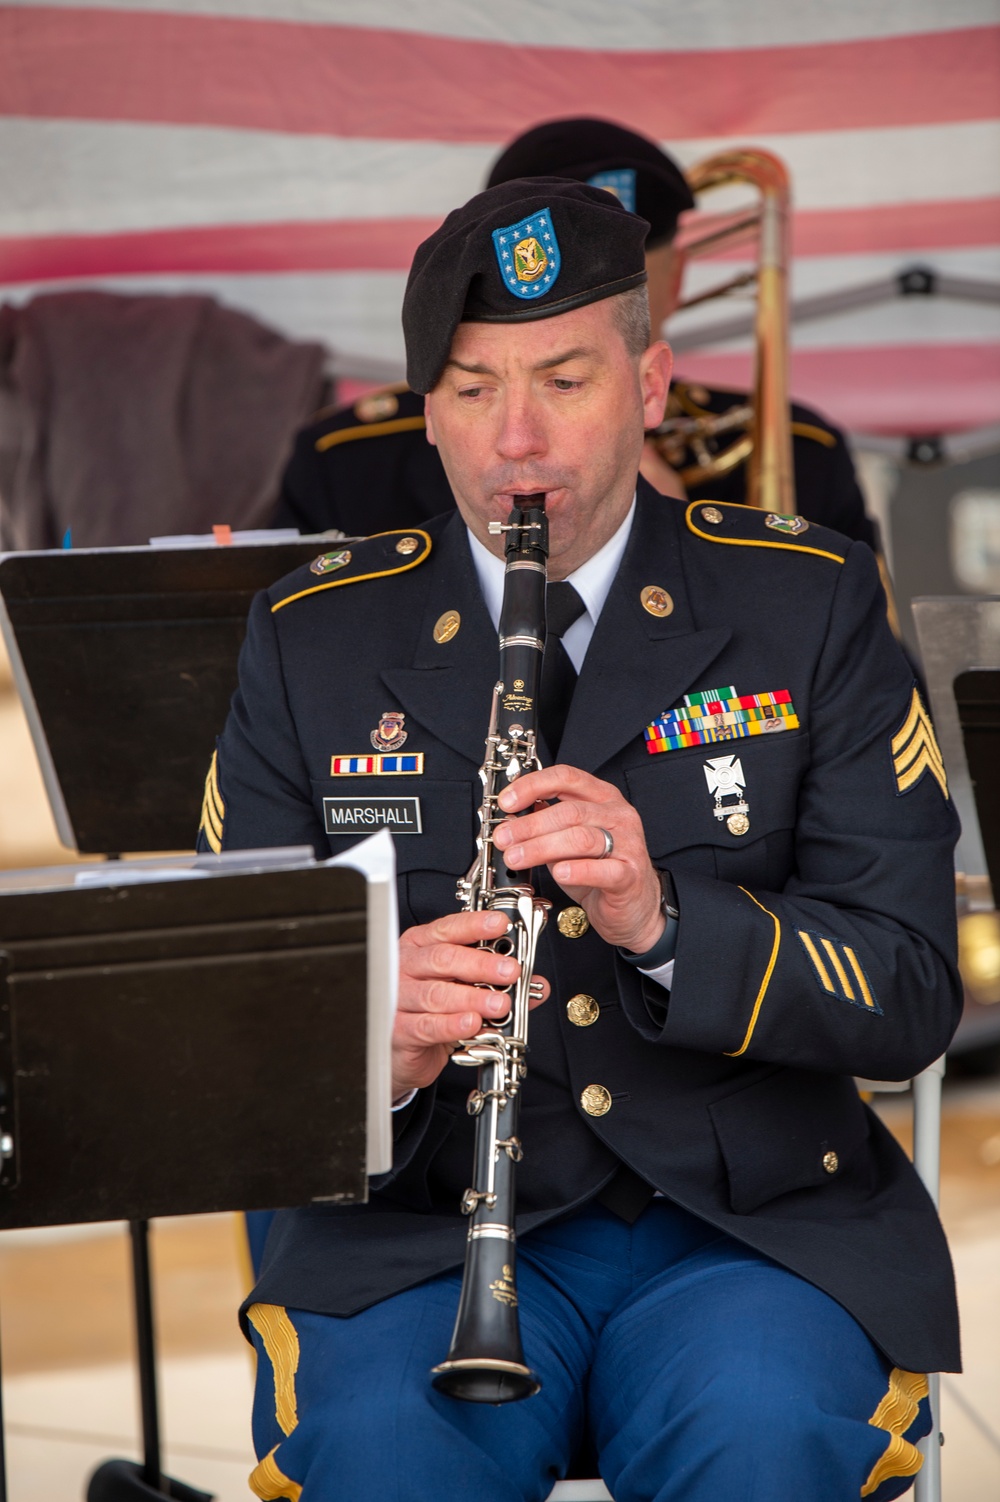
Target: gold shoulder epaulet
{"points": [[697, 400], [376, 415], [376, 557], [749, 527], [816, 433]]}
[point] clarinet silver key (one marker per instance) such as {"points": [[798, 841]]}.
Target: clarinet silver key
{"points": [[485, 1363]]}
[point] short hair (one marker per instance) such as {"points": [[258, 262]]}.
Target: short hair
{"points": [[630, 311]]}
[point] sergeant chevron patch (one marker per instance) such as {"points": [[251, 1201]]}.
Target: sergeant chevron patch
{"points": [[838, 970], [915, 750], [213, 810]]}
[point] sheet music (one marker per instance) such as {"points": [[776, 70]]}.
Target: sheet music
{"points": [[375, 858]]}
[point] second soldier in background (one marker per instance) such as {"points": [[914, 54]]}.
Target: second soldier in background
{"points": [[368, 467]]}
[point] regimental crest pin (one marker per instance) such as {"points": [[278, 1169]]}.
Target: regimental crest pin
{"points": [[389, 734], [780, 522], [528, 256], [726, 783], [328, 563]]}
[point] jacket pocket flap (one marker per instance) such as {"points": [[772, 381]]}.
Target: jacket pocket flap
{"points": [[671, 792], [792, 1130]]}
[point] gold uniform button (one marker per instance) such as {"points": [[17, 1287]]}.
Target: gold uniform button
{"points": [[407, 545], [711, 514], [595, 1100], [656, 600], [572, 923], [582, 1010], [831, 1162], [446, 626], [737, 823]]}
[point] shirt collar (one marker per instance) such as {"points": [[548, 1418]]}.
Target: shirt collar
{"points": [[592, 580]]}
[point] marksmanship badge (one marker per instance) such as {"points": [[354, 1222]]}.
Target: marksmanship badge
{"points": [[528, 255], [724, 775]]}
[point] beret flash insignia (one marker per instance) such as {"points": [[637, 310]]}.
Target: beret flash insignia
{"points": [[528, 255], [620, 181]]}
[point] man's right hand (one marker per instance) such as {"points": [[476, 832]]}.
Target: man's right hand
{"points": [[440, 1003]]}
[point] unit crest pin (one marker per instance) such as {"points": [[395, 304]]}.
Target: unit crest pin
{"points": [[389, 734], [328, 563]]}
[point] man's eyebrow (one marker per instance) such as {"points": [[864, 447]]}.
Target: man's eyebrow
{"points": [[579, 352], [469, 369]]}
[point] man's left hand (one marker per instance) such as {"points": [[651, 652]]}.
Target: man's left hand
{"points": [[620, 892]]}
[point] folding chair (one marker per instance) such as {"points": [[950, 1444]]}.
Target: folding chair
{"points": [[927, 1161]]}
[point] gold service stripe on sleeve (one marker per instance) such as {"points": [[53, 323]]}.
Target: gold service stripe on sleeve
{"points": [[859, 974], [895, 1413], [767, 976], [835, 961], [814, 955]]}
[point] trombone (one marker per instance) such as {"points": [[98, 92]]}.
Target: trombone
{"points": [[761, 427]]}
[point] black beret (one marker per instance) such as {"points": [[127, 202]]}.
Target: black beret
{"points": [[519, 251], [605, 155]]}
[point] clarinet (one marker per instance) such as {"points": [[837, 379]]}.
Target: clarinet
{"points": [[485, 1363]]}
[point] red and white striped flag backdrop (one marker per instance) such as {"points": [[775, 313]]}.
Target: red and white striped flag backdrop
{"points": [[289, 154]]}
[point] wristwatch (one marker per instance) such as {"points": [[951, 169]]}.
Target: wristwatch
{"points": [[663, 949]]}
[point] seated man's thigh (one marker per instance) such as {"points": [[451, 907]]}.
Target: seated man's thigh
{"points": [[345, 1407], [729, 1377]]}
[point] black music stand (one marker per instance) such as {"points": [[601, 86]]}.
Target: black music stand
{"points": [[126, 660], [977, 699], [959, 640], [149, 1008]]}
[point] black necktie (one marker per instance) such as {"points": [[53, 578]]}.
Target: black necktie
{"points": [[563, 606]]}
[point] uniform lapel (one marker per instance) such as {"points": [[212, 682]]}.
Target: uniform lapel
{"points": [[449, 687], [638, 664]]}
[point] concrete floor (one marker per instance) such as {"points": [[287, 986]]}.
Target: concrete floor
{"points": [[69, 1386]]}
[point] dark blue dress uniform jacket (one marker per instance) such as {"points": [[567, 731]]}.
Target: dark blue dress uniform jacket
{"points": [[731, 1092]]}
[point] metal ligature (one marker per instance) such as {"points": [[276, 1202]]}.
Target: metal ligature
{"points": [[485, 1363]]}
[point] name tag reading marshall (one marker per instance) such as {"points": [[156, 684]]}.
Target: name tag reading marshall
{"points": [[398, 815]]}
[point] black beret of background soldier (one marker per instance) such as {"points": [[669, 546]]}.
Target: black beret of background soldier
{"points": [[728, 1271], [368, 467]]}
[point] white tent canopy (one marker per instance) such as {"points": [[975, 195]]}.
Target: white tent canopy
{"points": [[288, 159]]}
